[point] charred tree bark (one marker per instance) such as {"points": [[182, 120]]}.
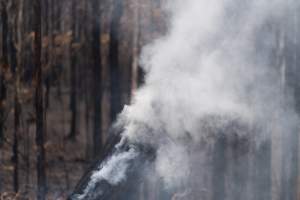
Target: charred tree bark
{"points": [[27, 159], [3, 68], [73, 83], [115, 95], [240, 164], [2, 104], [294, 82], [219, 168], [15, 157], [15, 62], [290, 141], [97, 90], [136, 48], [262, 178], [46, 50], [39, 107]]}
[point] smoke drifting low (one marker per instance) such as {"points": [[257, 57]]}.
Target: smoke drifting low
{"points": [[215, 67], [215, 102]]}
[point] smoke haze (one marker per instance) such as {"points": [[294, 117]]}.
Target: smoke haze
{"points": [[215, 102], [216, 66]]}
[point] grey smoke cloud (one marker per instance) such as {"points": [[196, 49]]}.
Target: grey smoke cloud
{"points": [[213, 66], [216, 116]]}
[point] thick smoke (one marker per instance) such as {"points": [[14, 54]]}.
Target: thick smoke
{"points": [[216, 65], [213, 84], [112, 170]]}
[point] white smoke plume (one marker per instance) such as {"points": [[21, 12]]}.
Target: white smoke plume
{"points": [[213, 66], [113, 170]]}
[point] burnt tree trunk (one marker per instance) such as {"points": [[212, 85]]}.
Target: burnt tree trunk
{"points": [[39, 107], [73, 83], [219, 168], [135, 49], [15, 157], [97, 90], [294, 79], [262, 177], [290, 142], [17, 108], [240, 168], [115, 95], [3, 68]]}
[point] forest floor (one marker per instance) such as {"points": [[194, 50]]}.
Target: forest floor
{"points": [[66, 159]]}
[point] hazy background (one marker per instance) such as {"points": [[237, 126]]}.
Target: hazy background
{"points": [[223, 74]]}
